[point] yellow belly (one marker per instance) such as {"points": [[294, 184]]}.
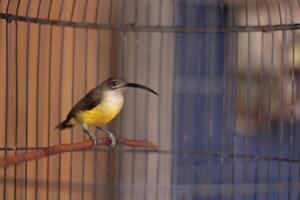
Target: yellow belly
{"points": [[109, 107]]}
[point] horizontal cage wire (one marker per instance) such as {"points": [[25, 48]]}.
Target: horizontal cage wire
{"points": [[226, 118]]}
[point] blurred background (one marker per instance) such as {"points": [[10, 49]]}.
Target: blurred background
{"points": [[226, 120]]}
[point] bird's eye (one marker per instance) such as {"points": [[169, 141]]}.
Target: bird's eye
{"points": [[115, 83]]}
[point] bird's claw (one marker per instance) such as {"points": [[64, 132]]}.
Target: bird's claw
{"points": [[95, 140], [110, 135], [113, 139]]}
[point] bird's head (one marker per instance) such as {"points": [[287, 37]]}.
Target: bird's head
{"points": [[120, 84]]}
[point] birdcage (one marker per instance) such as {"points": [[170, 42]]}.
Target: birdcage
{"points": [[226, 119]]}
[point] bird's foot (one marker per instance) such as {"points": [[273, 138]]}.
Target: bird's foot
{"points": [[113, 139], [110, 135], [95, 140]]}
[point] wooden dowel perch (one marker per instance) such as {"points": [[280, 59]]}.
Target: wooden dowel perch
{"points": [[79, 146]]}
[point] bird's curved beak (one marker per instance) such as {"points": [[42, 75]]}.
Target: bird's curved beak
{"points": [[136, 85]]}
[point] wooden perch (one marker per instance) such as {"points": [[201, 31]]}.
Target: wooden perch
{"points": [[79, 146]]}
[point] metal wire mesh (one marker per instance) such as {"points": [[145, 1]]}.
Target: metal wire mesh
{"points": [[226, 119]]}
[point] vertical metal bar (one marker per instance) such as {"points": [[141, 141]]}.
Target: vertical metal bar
{"points": [[235, 89], [7, 7], [110, 72], [61, 8], [73, 10], [49, 102], [96, 15], [231, 92], [260, 100], [281, 101], [174, 13], [60, 95], [208, 96], [6, 112], [27, 96], [110, 22], [123, 60], [226, 64], [18, 6], [73, 94], [268, 146], [17, 100], [39, 9], [148, 47], [49, 111], [257, 12], [173, 153], [198, 86], [247, 95], [212, 94], [160, 100], [292, 107], [96, 153], [136, 53], [234, 146], [37, 101], [110, 13], [169, 97], [85, 90], [182, 91], [84, 17], [60, 98], [292, 118], [259, 113]]}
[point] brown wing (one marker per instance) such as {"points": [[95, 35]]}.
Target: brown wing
{"points": [[88, 102]]}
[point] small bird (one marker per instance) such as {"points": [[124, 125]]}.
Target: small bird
{"points": [[100, 106]]}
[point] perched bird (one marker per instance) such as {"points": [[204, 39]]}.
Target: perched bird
{"points": [[100, 106]]}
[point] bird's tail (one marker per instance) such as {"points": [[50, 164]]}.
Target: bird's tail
{"points": [[63, 125]]}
